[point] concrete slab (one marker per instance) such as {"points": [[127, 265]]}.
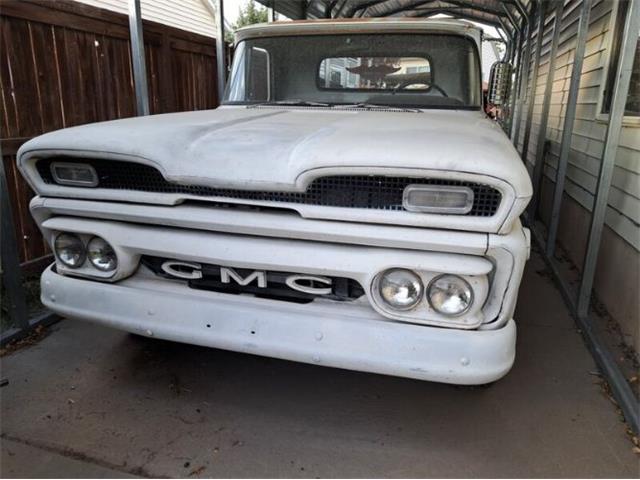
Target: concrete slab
{"points": [[48, 463], [152, 408]]}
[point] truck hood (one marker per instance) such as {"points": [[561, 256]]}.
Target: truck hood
{"points": [[271, 147]]}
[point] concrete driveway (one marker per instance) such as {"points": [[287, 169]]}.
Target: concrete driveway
{"points": [[88, 401]]}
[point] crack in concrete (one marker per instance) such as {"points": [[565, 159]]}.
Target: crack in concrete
{"points": [[82, 457]]}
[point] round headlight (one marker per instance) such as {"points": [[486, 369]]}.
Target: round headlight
{"points": [[70, 250], [450, 295], [101, 255], [400, 289]]}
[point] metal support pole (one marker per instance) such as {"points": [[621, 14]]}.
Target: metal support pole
{"points": [[516, 54], [9, 262], [509, 38], [220, 50], [271, 12], [525, 63], [567, 129], [616, 115], [538, 169], [507, 51], [534, 85], [137, 58]]}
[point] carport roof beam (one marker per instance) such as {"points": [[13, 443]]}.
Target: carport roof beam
{"points": [[410, 5], [512, 19], [355, 5], [456, 14], [482, 10]]}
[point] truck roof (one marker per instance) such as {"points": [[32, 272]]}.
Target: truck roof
{"points": [[363, 25]]}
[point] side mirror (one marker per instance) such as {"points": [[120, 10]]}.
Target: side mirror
{"points": [[499, 84]]}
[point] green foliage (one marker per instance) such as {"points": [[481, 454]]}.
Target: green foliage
{"points": [[250, 14]]}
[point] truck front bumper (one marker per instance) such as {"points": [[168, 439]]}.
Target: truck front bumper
{"points": [[320, 333]]}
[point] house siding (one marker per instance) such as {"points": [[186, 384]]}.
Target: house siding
{"points": [[189, 15], [621, 239]]}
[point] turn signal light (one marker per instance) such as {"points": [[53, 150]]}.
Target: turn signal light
{"points": [[74, 174], [454, 200]]}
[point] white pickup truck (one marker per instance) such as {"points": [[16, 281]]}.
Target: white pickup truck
{"points": [[349, 204]]}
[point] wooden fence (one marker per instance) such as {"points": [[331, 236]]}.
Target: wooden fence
{"points": [[63, 63]]}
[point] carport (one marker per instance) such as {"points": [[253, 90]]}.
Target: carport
{"points": [[272, 418]]}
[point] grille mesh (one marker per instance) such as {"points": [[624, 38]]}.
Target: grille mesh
{"points": [[349, 191]]}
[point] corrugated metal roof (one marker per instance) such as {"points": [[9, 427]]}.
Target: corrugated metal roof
{"points": [[509, 15]]}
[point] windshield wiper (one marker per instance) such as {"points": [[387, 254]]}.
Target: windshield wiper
{"points": [[374, 106], [336, 106], [291, 103]]}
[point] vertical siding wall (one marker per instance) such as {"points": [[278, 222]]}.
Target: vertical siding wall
{"points": [[189, 15], [63, 64], [617, 273]]}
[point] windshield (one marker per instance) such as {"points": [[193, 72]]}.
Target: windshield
{"points": [[420, 71]]}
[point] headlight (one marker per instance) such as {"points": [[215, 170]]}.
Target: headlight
{"points": [[101, 255], [400, 289], [450, 295], [70, 250]]}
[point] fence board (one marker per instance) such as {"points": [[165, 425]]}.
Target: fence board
{"points": [[64, 63]]}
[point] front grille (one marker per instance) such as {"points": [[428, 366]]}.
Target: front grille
{"points": [[275, 288], [348, 191]]}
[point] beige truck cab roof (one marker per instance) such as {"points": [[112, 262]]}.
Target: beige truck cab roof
{"points": [[356, 26]]}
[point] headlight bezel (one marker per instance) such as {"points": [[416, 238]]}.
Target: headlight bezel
{"points": [[476, 275], [126, 263]]}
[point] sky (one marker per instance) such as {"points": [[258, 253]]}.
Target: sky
{"points": [[231, 8]]}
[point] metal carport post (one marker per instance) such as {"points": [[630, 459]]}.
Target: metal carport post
{"points": [[620, 93], [138, 55], [220, 50], [538, 168], [138, 58], [516, 42], [522, 83], [567, 129], [621, 390], [534, 85]]}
